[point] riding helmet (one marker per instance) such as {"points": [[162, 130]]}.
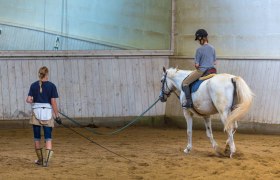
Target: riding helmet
{"points": [[201, 33]]}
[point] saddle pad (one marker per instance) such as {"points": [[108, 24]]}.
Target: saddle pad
{"points": [[207, 77], [195, 85]]}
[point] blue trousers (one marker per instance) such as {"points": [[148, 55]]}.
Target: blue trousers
{"points": [[37, 133]]}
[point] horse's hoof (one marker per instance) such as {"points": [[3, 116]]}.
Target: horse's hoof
{"points": [[227, 151], [219, 151], [187, 151]]}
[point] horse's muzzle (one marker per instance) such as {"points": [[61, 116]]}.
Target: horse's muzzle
{"points": [[162, 97], [163, 100]]}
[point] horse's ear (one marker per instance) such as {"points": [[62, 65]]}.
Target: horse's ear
{"points": [[164, 70], [177, 68]]}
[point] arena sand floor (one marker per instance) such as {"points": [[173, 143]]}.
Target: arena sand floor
{"points": [[157, 153]]}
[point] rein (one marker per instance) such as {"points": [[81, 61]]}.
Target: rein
{"points": [[176, 95]]}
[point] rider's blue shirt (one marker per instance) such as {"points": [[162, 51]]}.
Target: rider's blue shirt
{"points": [[205, 56]]}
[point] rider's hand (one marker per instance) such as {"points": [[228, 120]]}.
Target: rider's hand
{"points": [[58, 120]]}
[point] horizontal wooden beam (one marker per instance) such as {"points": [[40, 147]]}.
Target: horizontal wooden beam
{"points": [[93, 53], [234, 57]]}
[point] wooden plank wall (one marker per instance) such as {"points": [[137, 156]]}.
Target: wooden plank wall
{"points": [[261, 75], [88, 87]]}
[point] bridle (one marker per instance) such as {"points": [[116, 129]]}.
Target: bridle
{"points": [[163, 92]]}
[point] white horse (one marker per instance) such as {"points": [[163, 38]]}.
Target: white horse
{"points": [[225, 94]]}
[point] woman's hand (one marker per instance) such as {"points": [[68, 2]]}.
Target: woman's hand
{"points": [[196, 66], [29, 99], [58, 120]]}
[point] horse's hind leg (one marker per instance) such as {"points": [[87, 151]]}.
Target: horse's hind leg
{"points": [[230, 142], [209, 134], [230, 146], [189, 130]]}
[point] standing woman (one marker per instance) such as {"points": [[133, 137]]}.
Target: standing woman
{"points": [[205, 59], [42, 96]]}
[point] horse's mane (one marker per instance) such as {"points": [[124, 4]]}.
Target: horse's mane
{"points": [[171, 72]]}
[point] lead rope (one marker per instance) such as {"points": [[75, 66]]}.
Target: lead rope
{"points": [[111, 133], [103, 147], [116, 131]]}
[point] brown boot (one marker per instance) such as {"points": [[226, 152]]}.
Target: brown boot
{"points": [[49, 154], [39, 153]]}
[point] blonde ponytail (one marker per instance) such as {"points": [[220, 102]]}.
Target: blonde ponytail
{"points": [[43, 71], [40, 84]]}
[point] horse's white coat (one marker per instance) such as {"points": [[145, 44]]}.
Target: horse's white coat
{"points": [[214, 95]]}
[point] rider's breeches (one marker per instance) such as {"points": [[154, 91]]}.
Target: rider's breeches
{"points": [[192, 77]]}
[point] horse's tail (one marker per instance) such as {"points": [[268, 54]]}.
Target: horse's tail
{"points": [[244, 98]]}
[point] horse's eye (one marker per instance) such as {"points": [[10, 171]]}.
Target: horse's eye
{"points": [[161, 81]]}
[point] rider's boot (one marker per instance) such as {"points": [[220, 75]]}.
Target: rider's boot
{"points": [[188, 103], [39, 153], [49, 154]]}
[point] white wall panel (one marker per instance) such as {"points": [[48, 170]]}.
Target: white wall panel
{"points": [[88, 87]]}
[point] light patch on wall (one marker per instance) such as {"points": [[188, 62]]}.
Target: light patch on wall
{"points": [[235, 31], [109, 23]]}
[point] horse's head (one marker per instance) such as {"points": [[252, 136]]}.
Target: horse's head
{"points": [[166, 88]]}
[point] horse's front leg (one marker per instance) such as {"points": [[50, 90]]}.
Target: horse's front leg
{"points": [[189, 130]]}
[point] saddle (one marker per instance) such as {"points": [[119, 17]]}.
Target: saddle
{"points": [[207, 75]]}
